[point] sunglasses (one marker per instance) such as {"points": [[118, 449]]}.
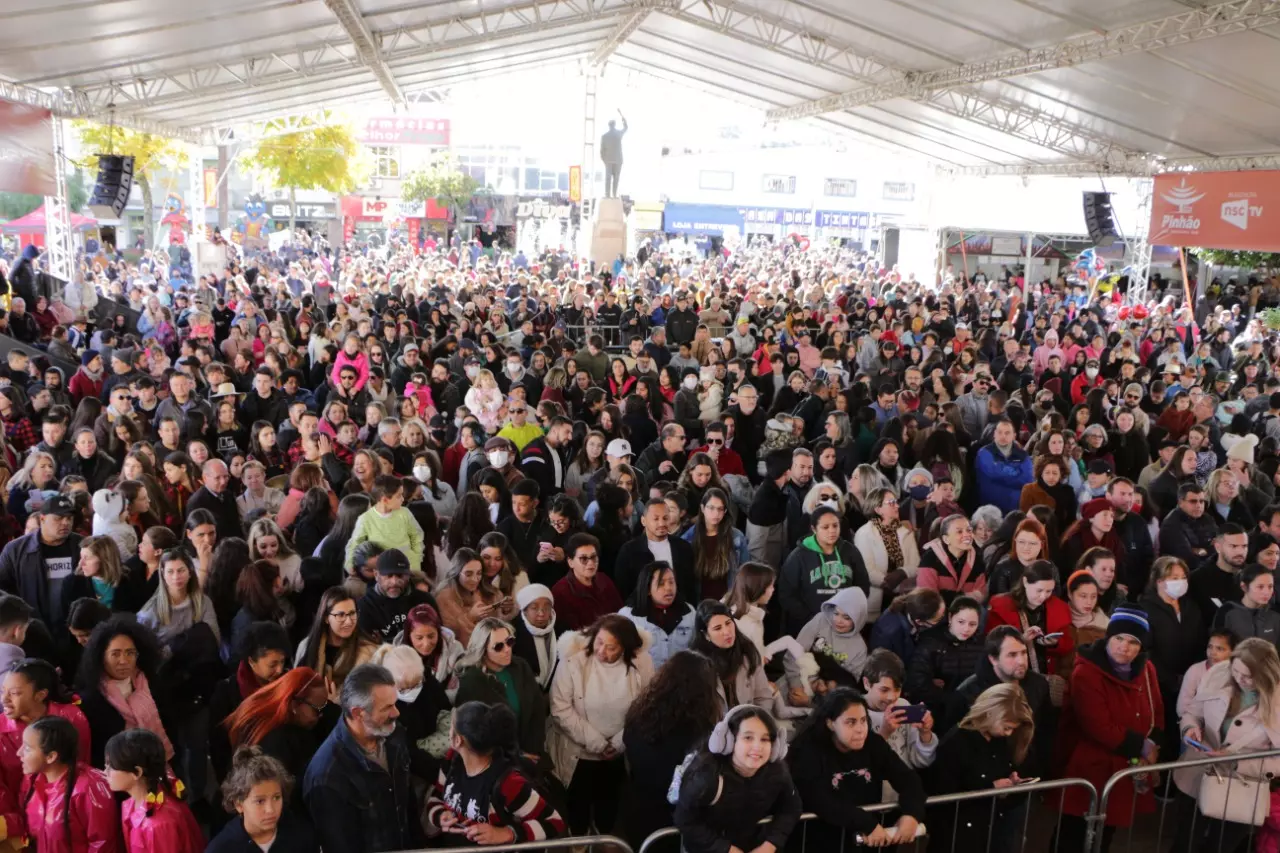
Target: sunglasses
{"points": [[714, 441], [503, 645]]}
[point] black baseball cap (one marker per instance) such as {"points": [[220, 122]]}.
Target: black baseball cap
{"points": [[60, 505], [392, 562]]}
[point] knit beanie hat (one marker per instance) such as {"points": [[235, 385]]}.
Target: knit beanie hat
{"points": [[531, 593], [88, 356], [1095, 506], [1132, 620], [1240, 447]]}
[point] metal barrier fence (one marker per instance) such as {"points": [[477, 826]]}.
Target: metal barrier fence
{"points": [[1006, 832], [570, 843], [1192, 832]]}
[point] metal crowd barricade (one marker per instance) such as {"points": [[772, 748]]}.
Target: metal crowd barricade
{"points": [[995, 842], [598, 841], [1220, 841]]}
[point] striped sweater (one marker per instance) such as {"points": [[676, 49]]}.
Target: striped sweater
{"points": [[514, 803]]}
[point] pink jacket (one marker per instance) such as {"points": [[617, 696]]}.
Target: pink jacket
{"points": [[360, 362], [95, 820], [11, 774], [170, 828]]}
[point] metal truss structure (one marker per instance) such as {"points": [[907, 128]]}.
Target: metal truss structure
{"points": [[1193, 25], [414, 54], [1139, 259], [366, 47], [57, 213]]}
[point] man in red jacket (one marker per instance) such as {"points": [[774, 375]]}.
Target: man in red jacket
{"points": [[727, 461]]}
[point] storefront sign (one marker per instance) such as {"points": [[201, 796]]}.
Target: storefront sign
{"points": [[366, 208], [701, 218], [776, 216], [400, 130], [1217, 210], [539, 209], [280, 210], [843, 219]]}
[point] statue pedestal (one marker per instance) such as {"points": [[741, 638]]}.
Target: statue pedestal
{"points": [[609, 233]]}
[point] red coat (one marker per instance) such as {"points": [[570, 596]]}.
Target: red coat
{"points": [[170, 828], [95, 819], [82, 386], [11, 774], [1057, 619], [1106, 721]]}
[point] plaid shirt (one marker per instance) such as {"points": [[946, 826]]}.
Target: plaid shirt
{"points": [[296, 455], [21, 434]]}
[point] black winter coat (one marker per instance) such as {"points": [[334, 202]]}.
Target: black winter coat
{"points": [[293, 835], [707, 827], [940, 655], [967, 761]]}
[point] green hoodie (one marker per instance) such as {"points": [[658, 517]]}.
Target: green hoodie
{"points": [[830, 571]]}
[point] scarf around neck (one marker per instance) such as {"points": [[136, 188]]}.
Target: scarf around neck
{"points": [[138, 709], [892, 545]]}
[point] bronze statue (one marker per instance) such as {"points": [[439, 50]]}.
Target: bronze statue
{"points": [[611, 155]]}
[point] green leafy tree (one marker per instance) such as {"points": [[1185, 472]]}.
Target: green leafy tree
{"points": [[317, 158], [443, 181], [1244, 260], [149, 152], [15, 205]]}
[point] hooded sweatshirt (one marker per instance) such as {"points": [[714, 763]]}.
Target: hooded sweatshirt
{"points": [[810, 577], [820, 634]]}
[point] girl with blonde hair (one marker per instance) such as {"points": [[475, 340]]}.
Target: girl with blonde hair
{"points": [[268, 542]]}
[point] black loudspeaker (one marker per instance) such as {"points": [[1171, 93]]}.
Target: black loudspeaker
{"points": [[111, 191], [1098, 219], [890, 247]]}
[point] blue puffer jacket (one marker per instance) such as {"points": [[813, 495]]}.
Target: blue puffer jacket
{"points": [[1001, 477]]}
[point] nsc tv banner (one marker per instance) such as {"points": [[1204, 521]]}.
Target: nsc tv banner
{"points": [[1217, 210], [26, 150]]}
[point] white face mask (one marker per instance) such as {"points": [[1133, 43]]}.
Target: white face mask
{"points": [[422, 473], [1175, 589], [834, 504], [498, 458], [691, 382], [409, 696], [473, 371], [1091, 372]]}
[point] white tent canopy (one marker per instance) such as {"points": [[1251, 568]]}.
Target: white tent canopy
{"points": [[978, 85]]}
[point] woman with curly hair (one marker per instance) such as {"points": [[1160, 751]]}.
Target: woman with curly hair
{"points": [[117, 671], [670, 718]]}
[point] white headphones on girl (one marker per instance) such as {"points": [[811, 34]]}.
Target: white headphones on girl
{"points": [[722, 737]]}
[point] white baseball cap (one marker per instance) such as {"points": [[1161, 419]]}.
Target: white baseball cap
{"points": [[619, 447]]}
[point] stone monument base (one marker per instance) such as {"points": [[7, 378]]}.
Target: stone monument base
{"points": [[609, 233]]}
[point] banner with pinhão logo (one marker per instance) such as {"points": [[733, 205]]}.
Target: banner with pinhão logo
{"points": [[1217, 210]]}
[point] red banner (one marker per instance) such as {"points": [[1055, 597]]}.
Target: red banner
{"points": [[1217, 210], [401, 130], [27, 163]]}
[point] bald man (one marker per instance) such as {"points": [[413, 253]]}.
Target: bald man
{"points": [[217, 497]]}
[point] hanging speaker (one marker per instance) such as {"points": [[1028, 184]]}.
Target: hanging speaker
{"points": [[1098, 218], [111, 191]]}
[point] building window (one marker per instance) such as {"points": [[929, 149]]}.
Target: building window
{"points": [[899, 191], [785, 184], [840, 187], [386, 161], [710, 180]]}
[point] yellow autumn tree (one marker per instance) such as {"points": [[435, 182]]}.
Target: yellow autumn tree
{"points": [[324, 157], [149, 152]]}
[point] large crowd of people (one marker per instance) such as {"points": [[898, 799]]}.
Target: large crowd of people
{"points": [[375, 550]]}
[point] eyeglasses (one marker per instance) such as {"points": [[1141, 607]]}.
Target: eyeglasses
{"points": [[503, 645], [890, 502], [588, 558], [344, 616], [319, 709]]}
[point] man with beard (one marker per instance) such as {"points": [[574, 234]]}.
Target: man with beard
{"points": [[358, 787], [1006, 662], [1217, 582], [1132, 530], [385, 605]]}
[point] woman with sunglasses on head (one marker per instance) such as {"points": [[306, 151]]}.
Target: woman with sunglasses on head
{"points": [[287, 719], [490, 672]]}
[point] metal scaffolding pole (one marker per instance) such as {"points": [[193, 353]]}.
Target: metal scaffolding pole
{"points": [[1140, 247], [57, 215], [587, 215]]}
